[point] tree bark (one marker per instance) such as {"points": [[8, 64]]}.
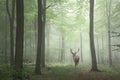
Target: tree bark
{"points": [[6, 57], [40, 38], [11, 20], [43, 42], [91, 35], [102, 50], [48, 43], [98, 54], [59, 49], [19, 40], [36, 33], [108, 14], [81, 48], [43, 52], [63, 48]]}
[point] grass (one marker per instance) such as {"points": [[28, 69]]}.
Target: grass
{"points": [[69, 72], [58, 72], [113, 69]]}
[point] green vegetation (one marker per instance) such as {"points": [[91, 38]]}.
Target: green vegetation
{"points": [[59, 72], [38, 38], [55, 72], [110, 69]]}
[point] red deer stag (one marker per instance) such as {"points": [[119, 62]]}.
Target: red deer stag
{"points": [[75, 57]]}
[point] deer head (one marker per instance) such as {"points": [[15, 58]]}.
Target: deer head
{"points": [[75, 57]]}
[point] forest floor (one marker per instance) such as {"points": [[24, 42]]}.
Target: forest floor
{"points": [[64, 72], [80, 73], [86, 74]]}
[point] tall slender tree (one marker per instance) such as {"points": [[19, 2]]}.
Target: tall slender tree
{"points": [[6, 44], [91, 35], [62, 47], [40, 38], [102, 55], [43, 41], [48, 28], [19, 39], [81, 48], [108, 14], [11, 20], [98, 53]]}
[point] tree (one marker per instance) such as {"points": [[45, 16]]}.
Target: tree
{"points": [[6, 43], [48, 42], [81, 45], [40, 38], [19, 39], [62, 47], [98, 52], [11, 20], [43, 40], [108, 14], [102, 55], [91, 35]]}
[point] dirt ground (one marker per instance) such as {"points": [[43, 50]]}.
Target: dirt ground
{"points": [[86, 74], [63, 73]]}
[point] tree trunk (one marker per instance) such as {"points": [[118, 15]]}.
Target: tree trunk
{"points": [[25, 50], [108, 13], [92, 47], [43, 42], [81, 48], [98, 54], [36, 33], [40, 38], [48, 43], [59, 49], [11, 19], [19, 40], [43, 52], [6, 58], [2, 48], [5, 39], [63, 49], [102, 50]]}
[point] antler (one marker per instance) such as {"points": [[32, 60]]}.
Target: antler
{"points": [[74, 52], [77, 51], [71, 51]]}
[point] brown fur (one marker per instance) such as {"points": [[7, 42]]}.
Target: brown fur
{"points": [[75, 57]]}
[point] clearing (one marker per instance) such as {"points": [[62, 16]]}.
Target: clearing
{"points": [[69, 72]]}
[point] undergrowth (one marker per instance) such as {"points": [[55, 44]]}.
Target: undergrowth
{"points": [[112, 69], [58, 72], [52, 72]]}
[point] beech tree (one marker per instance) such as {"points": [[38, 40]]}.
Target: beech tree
{"points": [[91, 35], [19, 40]]}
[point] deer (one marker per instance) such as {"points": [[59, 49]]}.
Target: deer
{"points": [[75, 57]]}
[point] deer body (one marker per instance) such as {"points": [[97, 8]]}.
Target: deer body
{"points": [[75, 57]]}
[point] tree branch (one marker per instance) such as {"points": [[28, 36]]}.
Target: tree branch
{"points": [[51, 5]]}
